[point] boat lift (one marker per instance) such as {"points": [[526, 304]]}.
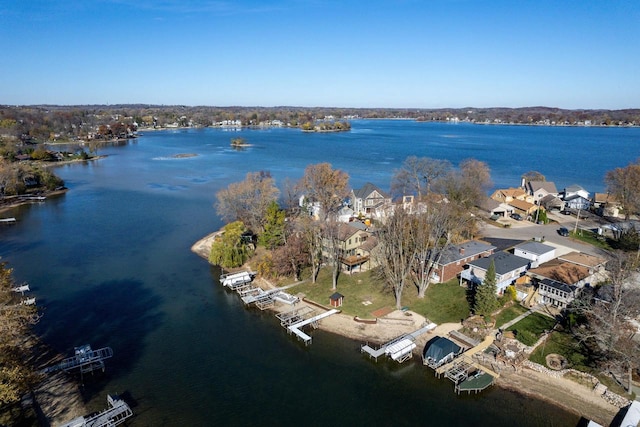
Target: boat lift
{"points": [[86, 360], [116, 414]]}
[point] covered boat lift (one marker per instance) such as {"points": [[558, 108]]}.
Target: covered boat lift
{"points": [[439, 351]]}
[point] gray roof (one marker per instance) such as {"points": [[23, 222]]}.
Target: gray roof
{"points": [[535, 248], [367, 189], [551, 200], [504, 262], [548, 186], [470, 248], [559, 285], [488, 204]]}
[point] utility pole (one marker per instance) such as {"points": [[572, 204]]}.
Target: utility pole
{"points": [[575, 229]]}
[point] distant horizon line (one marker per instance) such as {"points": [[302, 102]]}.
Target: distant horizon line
{"points": [[141, 104]]}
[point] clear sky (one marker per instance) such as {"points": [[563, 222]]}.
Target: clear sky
{"points": [[332, 53]]}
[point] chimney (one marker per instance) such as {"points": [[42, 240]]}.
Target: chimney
{"points": [[461, 251]]}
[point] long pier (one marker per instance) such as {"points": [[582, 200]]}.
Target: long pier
{"points": [[295, 328]]}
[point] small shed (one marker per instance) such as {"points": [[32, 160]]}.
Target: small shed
{"points": [[335, 300]]}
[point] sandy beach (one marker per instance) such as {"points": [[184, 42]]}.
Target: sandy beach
{"points": [[562, 392]]}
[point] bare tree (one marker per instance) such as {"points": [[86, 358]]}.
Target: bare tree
{"points": [[289, 259], [395, 254], [609, 315], [434, 230], [624, 185], [468, 185], [325, 185], [248, 200], [332, 247], [417, 174], [311, 234]]}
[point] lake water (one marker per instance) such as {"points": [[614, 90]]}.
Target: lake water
{"points": [[110, 265]]}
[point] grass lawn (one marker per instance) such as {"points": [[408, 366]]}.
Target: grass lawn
{"points": [[566, 345], [529, 329], [509, 314], [442, 303], [591, 238]]}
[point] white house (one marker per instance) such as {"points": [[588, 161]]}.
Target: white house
{"points": [[576, 197], [508, 268], [538, 253]]}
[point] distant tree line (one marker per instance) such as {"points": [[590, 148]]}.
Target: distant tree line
{"points": [[42, 123]]}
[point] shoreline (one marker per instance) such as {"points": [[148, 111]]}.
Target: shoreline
{"points": [[561, 392]]}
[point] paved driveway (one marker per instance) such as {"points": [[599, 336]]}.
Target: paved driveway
{"points": [[520, 231]]}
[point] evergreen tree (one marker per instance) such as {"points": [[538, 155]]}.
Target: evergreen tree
{"points": [[486, 300], [273, 235]]}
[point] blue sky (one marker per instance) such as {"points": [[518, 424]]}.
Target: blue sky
{"points": [[334, 53]]}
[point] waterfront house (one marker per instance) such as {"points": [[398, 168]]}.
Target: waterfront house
{"points": [[523, 207], [594, 265], [506, 195], [538, 253], [551, 201], [543, 193], [559, 281], [576, 197], [495, 208], [555, 293], [369, 201], [355, 243], [539, 189], [451, 260], [508, 267]]}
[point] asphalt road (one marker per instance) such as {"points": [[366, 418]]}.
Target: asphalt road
{"points": [[520, 231]]}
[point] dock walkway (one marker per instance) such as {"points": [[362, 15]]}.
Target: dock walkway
{"points": [[467, 358], [295, 328], [86, 359]]}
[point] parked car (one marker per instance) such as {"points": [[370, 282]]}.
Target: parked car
{"points": [[563, 231], [566, 212], [516, 216]]}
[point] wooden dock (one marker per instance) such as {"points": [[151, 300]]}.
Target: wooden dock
{"points": [[475, 383]]}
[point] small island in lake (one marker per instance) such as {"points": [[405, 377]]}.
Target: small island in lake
{"points": [[239, 143]]}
